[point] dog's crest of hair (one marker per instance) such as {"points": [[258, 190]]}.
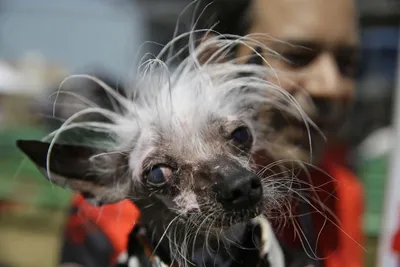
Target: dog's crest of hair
{"points": [[184, 96]]}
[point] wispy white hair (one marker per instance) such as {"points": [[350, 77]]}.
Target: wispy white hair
{"points": [[180, 98]]}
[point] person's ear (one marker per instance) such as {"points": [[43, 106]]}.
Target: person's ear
{"points": [[93, 172]]}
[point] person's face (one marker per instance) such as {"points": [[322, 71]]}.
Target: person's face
{"points": [[319, 74]]}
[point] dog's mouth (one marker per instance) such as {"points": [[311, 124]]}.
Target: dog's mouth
{"points": [[232, 217], [220, 219]]}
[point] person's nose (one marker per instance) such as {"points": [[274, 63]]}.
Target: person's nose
{"points": [[324, 78], [324, 85]]}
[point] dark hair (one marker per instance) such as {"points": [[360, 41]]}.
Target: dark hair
{"points": [[223, 16], [228, 16]]}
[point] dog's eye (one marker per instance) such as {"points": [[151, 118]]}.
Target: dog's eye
{"points": [[158, 175], [242, 136]]}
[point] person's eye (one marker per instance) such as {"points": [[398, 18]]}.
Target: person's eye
{"points": [[347, 58], [158, 175], [299, 59], [242, 137], [347, 67], [347, 64]]}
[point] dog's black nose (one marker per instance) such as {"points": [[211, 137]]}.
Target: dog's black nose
{"points": [[240, 191]]}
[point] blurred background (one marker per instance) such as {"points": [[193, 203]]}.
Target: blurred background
{"points": [[43, 41]]}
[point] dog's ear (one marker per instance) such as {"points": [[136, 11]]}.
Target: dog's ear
{"points": [[74, 167]]}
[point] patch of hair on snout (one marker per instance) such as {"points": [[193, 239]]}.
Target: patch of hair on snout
{"points": [[186, 202]]}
